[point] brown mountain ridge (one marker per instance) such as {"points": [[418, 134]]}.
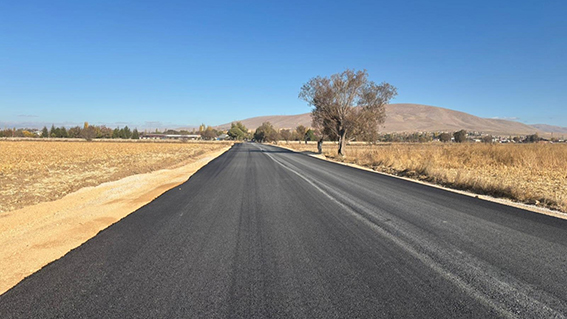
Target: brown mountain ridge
{"points": [[404, 117]]}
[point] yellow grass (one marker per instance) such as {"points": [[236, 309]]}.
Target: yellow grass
{"points": [[37, 171], [529, 173]]}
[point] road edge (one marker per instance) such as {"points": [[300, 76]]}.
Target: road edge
{"points": [[503, 201], [25, 251]]}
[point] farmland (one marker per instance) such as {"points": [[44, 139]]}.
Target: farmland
{"points": [[527, 173], [32, 172]]}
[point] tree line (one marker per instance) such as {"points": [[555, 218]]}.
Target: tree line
{"points": [[87, 132], [90, 132], [267, 133]]}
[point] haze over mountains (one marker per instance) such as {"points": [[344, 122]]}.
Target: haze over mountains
{"points": [[550, 128], [418, 118], [400, 117]]}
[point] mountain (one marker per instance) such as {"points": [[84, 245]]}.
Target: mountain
{"points": [[410, 118], [550, 128]]}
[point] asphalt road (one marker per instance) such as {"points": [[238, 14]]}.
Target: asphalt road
{"points": [[263, 232]]}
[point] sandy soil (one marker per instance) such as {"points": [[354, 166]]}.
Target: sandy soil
{"points": [[34, 236]]}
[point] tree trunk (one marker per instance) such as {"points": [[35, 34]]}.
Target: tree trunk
{"points": [[342, 142]]}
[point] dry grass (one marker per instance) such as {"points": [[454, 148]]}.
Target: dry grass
{"points": [[37, 171], [528, 173]]}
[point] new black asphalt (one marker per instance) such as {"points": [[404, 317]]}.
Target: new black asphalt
{"points": [[262, 232]]}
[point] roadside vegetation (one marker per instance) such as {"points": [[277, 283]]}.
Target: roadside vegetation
{"points": [[34, 171], [347, 105], [533, 173], [90, 132]]}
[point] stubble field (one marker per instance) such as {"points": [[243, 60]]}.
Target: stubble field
{"points": [[527, 173], [32, 172]]}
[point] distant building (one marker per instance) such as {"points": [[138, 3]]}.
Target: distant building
{"points": [[156, 136], [222, 137]]}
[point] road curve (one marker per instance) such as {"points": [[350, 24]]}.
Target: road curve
{"points": [[262, 232]]}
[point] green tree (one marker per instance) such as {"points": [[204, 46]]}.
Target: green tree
{"points": [[52, 131], [347, 104], [265, 133], [127, 132], [310, 135], [238, 131], [534, 138], [116, 133], [135, 134], [63, 132], [44, 132]]}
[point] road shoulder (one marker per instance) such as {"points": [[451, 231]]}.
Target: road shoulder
{"points": [[36, 235]]}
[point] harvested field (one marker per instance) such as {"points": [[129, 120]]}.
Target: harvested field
{"points": [[32, 172], [527, 173]]}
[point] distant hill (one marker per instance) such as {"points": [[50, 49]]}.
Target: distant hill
{"points": [[550, 128], [278, 121], [410, 118]]}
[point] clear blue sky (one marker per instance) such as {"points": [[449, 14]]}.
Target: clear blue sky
{"points": [[182, 63]]}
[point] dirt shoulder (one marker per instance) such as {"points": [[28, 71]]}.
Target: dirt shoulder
{"points": [[34, 236]]}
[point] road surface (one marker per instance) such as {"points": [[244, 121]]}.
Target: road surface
{"points": [[262, 232]]}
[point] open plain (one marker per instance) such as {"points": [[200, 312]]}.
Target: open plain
{"points": [[264, 232], [35, 171], [111, 181]]}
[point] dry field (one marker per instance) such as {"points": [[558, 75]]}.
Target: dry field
{"points": [[38, 171], [527, 173]]}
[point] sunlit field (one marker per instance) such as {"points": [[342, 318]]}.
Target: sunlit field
{"points": [[37, 171], [528, 173]]}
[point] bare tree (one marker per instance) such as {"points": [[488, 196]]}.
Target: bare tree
{"points": [[347, 104], [445, 137], [209, 133], [285, 134], [488, 139], [460, 136], [88, 132], [300, 131]]}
